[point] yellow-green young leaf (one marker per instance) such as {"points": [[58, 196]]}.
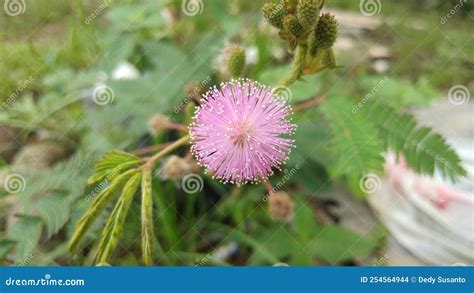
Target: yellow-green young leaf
{"points": [[114, 227], [98, 205], [112, 164], [319, 60], [147, 218]]}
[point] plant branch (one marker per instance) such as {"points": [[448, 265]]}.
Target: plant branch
{"points": [[308, 104], [183, 140], [150, 149], [296, 68]]}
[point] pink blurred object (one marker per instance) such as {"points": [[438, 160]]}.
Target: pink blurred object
{"points": [[432, 219]]}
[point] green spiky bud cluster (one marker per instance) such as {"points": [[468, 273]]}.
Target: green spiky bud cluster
{"points": [[306, 32], [298, 23], [236, 63], [326, 31], [292, 26], [274, 14], [308, 12]]}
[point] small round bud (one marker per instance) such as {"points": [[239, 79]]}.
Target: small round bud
{"points": [[175, 168], [158, 123], [292, 25], [236, 63], [274, 13], [308, 12], [326, 31], [280, 206], [224, 57]]}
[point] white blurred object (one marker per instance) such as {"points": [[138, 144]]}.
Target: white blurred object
{"points": [[432, 219], [125, 70], [226, 251], [251, 55]]}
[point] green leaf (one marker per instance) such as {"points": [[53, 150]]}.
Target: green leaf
{"points": [[136, 16], [26, 232], [336, 244], [54, 209], [112, 164], [278, 243], [312, 141], [398, 93], [6, 245], [324, 59], [354, 138], [423, 149], [114, 227], [312, 177], [120, 46], [258, 246], [98, 205], [165, 56], [304, 222]]}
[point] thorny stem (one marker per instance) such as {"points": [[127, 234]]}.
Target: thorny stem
{"points": [[296, 68]]}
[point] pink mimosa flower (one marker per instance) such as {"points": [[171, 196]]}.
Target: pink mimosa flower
{"points": [[239, 130]]}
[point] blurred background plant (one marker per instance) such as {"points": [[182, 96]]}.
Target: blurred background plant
{"points": [[84, 78]]}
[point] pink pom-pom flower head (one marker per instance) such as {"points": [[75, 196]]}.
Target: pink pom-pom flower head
{"points": [[240, 132]]}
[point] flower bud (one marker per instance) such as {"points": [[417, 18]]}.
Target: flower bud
{"points": [[292, 25], [158, 123], [326, 31], [274, 13], [175, 168], [236, 63], [308, 12], [280, 206], [290, 5]]}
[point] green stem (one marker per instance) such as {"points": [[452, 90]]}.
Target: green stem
{"points": [[297, 67], [183, 140]]}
